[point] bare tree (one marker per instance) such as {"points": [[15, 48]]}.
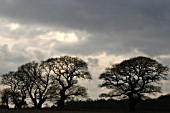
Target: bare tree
{"points": [[66, 71], [5, 97], [133, 79], [55, 79], [37, 80], [15, 89]]}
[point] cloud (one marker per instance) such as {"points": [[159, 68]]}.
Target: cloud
{"points": [[101, 32], [13, 26], [114, 26], [117, 15], [61, 37]]}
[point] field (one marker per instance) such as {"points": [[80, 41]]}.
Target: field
{"points": [[56, 111]]}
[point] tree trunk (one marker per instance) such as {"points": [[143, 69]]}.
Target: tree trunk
{"points": [[134, 101], [19, 103], [38, 106], [61, 102], [7, 103], [132, 105], [41, 101]]}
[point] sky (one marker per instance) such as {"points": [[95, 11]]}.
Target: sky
{"points": [[101, 32]]}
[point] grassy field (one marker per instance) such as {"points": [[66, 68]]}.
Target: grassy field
{"points": [[56, 111]]}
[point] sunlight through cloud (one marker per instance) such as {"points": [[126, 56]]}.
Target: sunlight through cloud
{"points": [[13, 26], [61, 37]]}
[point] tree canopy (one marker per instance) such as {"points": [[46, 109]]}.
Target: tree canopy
{"points": [[15, 92], [66, 71], [133, 79], [54, 80]]}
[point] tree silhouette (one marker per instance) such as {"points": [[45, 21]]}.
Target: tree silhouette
{"points": [[15, 91], [54, 80], [5, 97], [66, 71], [37, 80], [133, 79]]}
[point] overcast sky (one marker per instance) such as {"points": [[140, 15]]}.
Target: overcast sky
{"points": [[101, 32]]}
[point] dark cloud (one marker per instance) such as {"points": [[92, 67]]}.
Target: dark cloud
{"points": [[116, 26], [120, 28], [90, 14], [6, 54], [9, 59], [96, 44]]}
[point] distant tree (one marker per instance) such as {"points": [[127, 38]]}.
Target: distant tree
{"points": [[15, 90], [133, 79], [5, 97], [164, 97], [66, 71], [38, 82]]}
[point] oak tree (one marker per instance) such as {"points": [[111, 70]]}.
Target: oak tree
{"points": [[37, 80], [67, 71], [15, 91], [5, 97], [133, 79]]}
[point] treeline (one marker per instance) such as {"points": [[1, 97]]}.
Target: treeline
{"points": [[161, 103], [55, 81]]}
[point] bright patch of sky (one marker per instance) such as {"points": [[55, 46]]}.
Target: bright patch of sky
{"points": [[13, 26], [61, 37]]}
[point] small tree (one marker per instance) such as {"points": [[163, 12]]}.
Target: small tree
{"points": [[66, 72], [16, 90], [5, 97], [133, 79]]}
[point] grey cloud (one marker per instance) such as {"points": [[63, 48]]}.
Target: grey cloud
{"points": [[6, 54], [152, 43], [11, 59], [93, 62], [90, 15], [116, 26]]}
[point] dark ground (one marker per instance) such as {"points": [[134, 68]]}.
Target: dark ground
{"points": [[65, 111], [160, 105]]}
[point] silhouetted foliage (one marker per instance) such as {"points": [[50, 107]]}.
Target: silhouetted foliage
{"points": [[38, 82], [5, 97], [133, 79], [160, 104], [16, 91], [54, 80], [66, 72]]}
